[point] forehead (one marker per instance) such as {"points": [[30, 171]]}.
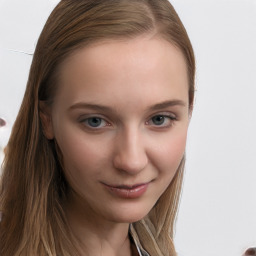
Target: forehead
{"points": [[141, 47], [135, 66]]}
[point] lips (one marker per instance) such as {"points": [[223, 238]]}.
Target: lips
{"points": [[127, 191]]}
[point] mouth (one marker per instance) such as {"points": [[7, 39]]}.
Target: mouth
{"points": [[128, 191]]}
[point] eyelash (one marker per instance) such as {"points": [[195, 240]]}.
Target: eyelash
{"points": [[167, 118]]}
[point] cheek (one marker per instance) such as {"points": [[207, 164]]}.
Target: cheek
{"points": [[169, 153], [82, 156], [80, 163], [168, 159]]}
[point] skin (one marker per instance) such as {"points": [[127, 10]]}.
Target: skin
{"points": [[135, 93]]}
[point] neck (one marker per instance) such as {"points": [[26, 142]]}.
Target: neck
{"points": [[94, 234]]}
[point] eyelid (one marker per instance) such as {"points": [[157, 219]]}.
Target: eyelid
{"points": [[86, 116], [166, 114]]}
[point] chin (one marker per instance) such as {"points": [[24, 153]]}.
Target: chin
{"points": [[129, 215], [128, 219]]}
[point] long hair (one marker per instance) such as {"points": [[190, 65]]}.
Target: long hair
{"points": [[33, 187]]}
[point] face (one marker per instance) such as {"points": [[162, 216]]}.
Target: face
{"points": [[120, 118]]}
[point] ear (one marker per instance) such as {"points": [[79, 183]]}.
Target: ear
{"points": [[46, 120]]}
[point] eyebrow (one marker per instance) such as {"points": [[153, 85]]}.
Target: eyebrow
{"points": [[98, 107], [168, 103], [91, 106]]}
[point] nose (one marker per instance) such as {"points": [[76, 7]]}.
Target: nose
{"points": [[130, 153]]}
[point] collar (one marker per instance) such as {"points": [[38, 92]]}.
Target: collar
{"points": [[140, 250]]}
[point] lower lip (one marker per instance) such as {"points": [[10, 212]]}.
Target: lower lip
{"points": [[128, 193]]}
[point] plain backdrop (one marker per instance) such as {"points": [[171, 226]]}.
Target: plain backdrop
{"points": [[217, 213]]}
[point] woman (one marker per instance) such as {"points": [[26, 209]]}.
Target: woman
{"points": [[95, 161]]}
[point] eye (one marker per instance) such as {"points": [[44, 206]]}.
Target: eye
{"points": [[158, 120], [161, 120], [95, 122]]}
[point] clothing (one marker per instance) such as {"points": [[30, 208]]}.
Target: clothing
{"points": [[141, 251], [136, 247]]}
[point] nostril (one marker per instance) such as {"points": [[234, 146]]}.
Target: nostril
{"points": [[2, 122]]}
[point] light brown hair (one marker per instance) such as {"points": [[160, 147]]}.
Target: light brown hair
{"points": [[33, 187]]}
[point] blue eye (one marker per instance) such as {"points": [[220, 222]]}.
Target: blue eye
{"points": [[94, 122], [158, 120], [161, 120]]}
